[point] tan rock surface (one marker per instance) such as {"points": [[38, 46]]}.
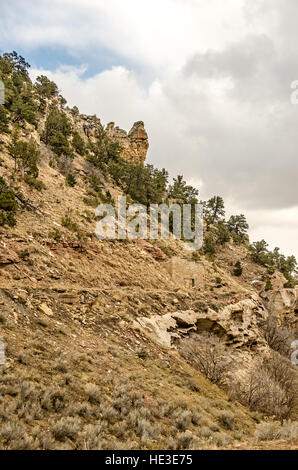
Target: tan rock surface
{"points": [[134, 144], [237, 324], [281, 302]]}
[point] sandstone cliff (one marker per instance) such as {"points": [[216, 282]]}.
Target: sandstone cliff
{"points": [[134, 144]]}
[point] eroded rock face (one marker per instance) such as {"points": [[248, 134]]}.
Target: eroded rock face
{"points": [[134, 144], [237, 324], [89, 125], [281, 302]]}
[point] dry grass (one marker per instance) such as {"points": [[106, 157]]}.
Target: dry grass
{"points": [[104, 400], [273, 430]]}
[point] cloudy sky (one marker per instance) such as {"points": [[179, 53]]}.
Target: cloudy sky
{"points": [[211, 79]]}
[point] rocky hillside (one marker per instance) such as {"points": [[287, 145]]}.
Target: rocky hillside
{"points": [[108, 345]]}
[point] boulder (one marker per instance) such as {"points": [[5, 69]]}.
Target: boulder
{"points": [[45, 309], [237, 324]]}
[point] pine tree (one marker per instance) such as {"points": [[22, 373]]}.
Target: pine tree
{"points": [[209, 246], [25, 154], [8, 205], [78, 143], [181, 192], [223, 233], [238, 224], [46, 87], [71, 180], [56, 133], [259, 252], [238, 270], [18, 62], [214, 210], [4, 121]]}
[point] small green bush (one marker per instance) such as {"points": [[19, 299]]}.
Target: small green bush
{"points": [[71, 180], [55, 235], [78, 143], [8, 205], [209, 246], [67, 222], [238, 270], [4, 120], [34, 183]]}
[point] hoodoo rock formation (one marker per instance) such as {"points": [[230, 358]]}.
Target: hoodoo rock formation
{"points": [[134, 144]]}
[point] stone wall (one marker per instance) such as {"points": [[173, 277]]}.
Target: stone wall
{"points": [[187, 273]]}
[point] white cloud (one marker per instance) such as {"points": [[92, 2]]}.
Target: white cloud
{"points": [[159, 33], [277, 227]]}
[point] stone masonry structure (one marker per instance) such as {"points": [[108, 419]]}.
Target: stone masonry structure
{"points": [[187, 273]]}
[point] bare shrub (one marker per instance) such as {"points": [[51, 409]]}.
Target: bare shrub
{"points": [[79, 409], [132, 418], [196, 418], [273, 430], [226, 419], [146, 430], [62, 365], [94, 173], [166, 409], [126, 398], [270, 387], [66, 428], [23, 358], [120, 430], [113, 444], [170, 443], [184, 440], [221, 439], [208, 354], [145, 412], [289, 431], [27, 390], [93, 392], [281, 370], [53, 400], [183, 419], [268, 431], [278, 338], [205, 432], [65, 165], [90, 437], [109, 414], [31, 411], [260, 392], [46, 442], [14, 435], [10, 431]]}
